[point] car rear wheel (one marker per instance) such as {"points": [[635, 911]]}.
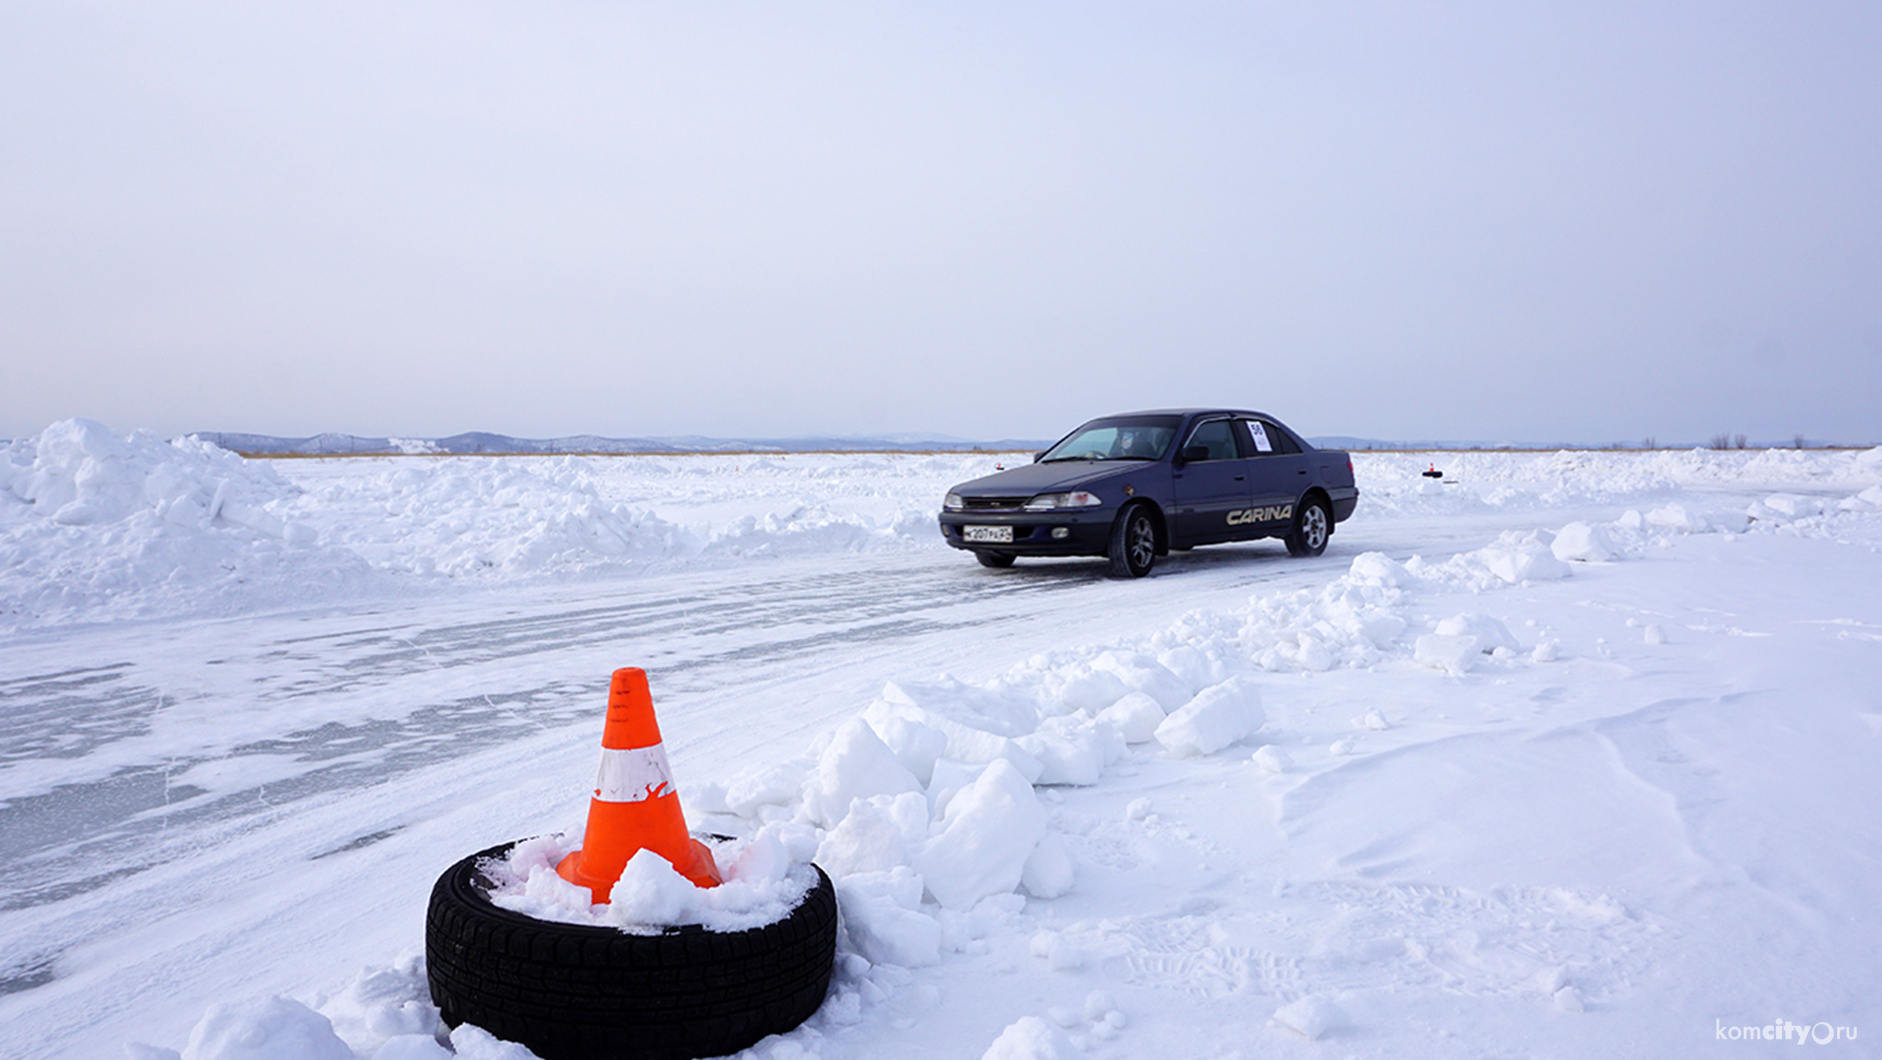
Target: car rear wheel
{"points": [[1312, 527], [996, 560], [1133, 543]]}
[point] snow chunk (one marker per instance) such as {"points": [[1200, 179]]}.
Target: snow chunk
{"points": [[1523, 560], [1311, 1017], [1272, 759], [1032, 1038], [1793, 506], [916, 746], [1091, 690], [876, 834], [471, 1042], [1192, 666], [1217, 717], [1582, 543], [1135, 717], [882, 914], [1452, 653], [1072, 750], [1048, 872], [1491, 634], [1677, 518], [778, 784], [985, 840], [384, 1004], [412, 1047], [276, 1028], [1144, 675], [1377, 568], [965, 743], [650, 891], [856, 765]]}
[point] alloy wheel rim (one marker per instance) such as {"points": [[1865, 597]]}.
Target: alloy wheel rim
{"points": [[1143, 544]]}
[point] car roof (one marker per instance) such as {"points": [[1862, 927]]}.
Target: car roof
{"points": [[1203, 410]]}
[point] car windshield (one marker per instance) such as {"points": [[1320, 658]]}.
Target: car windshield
{"points": [[1136, 438]]}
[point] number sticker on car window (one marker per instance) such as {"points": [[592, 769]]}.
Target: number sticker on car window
{"points": [[1262, 444]]}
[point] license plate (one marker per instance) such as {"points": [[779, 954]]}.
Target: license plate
{"points": [[998, 535]]}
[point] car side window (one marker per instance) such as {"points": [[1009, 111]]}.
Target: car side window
{"points": [[1217, 436], [1268, 439]]}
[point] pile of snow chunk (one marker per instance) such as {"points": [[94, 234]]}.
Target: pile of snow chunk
{"points": [[766, 876], [93, 522], [378, 1015], [926, 807], [78, 473]]}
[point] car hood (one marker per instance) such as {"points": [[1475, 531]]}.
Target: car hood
{"points": [[1046, 478]]}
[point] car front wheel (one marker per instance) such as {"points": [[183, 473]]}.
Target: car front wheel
{"points": [[1312, 527], [1133, 544]]}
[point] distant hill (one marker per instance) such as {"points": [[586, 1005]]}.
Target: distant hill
{"points": [[483, 442], [1340, 441]]}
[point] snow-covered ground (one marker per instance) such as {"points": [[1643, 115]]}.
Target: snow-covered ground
{"points": [[1569, 754]]}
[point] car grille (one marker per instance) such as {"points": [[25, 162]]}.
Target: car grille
{"points": [[993, 504]]}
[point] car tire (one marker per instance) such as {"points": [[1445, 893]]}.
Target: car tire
{"points": [[1313, 525], [1133, 543], [996, 560], [585, 992]]}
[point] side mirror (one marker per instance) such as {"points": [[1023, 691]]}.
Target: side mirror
{"points": [[1193, 454], [1038, 456]]}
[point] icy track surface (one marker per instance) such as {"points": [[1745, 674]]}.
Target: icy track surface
{"points": [[1570, 754]]}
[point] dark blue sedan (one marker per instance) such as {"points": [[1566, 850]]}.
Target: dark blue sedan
{"points": [[1134, 486]]}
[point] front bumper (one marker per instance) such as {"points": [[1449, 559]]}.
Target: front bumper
{"points": [[1067, 532]]}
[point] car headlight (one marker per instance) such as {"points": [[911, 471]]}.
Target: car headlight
{"points": [[953, 502], [1047, 502]]}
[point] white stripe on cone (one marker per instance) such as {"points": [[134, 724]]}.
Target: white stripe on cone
{"points": [[634, 775]]}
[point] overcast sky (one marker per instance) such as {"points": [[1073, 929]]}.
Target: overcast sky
{"points": [[1589, 221]]}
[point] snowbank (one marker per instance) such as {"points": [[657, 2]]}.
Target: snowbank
{"points": [[95, 526]]}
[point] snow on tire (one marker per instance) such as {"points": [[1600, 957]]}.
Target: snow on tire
{"points": [[572, 991]]}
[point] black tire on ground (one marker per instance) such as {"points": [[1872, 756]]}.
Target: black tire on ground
{"points": [[580, 992], [996, 560], [1312, 526], [1133, 543]]}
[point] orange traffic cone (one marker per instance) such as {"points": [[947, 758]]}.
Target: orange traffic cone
{"points": [[635, 807]]}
